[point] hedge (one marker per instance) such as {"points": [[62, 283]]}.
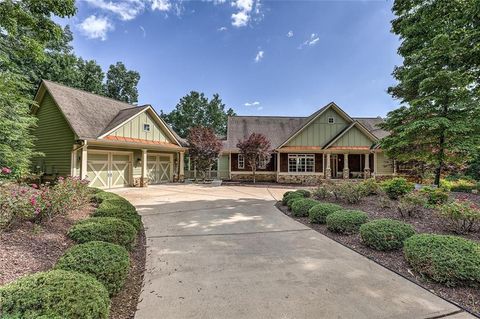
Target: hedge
{"points": [[289, 195], [108, 263], [301, 207], [346, 221], [292, 200], [385, 234], [55, 294], [319, 212], [304, 192], [107, 229], [450, 260], [121, 209]]}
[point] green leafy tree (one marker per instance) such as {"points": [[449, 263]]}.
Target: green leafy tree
{"points": [[90, 76], [122, 83], [438, 83], [195, 109]]}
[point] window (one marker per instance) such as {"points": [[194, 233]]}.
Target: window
{"points": [[146, 127], [262, 162], [301, 163], [241, 161], [331, 120]]}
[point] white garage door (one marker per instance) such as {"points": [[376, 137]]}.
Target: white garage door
{"points": [[159, 168], [109, 169]]}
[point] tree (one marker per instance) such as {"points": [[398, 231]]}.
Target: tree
{"points": [[255, 149], [122, 83], [438, 83], [90, 76], [204, 148], [195, 109]]}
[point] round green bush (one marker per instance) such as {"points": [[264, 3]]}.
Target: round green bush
{"points": [[346, 221], [304, 192], [301, 207], [55, 294], [319, 212], [397, 187], [121, 209], [108, 263], [100, 195], [450, 260], [289, 196], [107, 229], [385, 234], [292, 200]]}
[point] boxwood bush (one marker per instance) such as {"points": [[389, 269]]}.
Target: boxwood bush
{"points": [[346, 221], [385, 234], [289, 196], [121, 209], [301, 207], [55, 294], [304, 192], [293, 200], [397, 187], [318, 213], [450, 260], [100, 195], [108, 263], [107, 229]]}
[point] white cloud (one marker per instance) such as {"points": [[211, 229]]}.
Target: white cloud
{"points": [[221, 29], [96, 27], [256, 103], [125, 9], [240, 19], [143, 30], [245, 10], [259, 56], [161, 5], [313, 40], [290, 34]]}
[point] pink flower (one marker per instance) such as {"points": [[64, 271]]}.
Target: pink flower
{"points": [[6, 170], [35, 186], [33, 201]]}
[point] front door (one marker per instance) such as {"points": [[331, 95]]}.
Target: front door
{"points": [[108, 169]]}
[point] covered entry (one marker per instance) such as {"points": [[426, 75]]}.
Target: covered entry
{"points": [[159, 168], [109, 169]]}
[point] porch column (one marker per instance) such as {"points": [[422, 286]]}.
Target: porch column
{"points": [[83, 167], [74, 164], [230, 165], [181, 169], [374, 165], [328, 170], [394, 167], [278, 165], [346, 170], [144, 180], [367, 165]]}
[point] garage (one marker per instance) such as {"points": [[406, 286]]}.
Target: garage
{"points": [[160, 168], [109, 169]]}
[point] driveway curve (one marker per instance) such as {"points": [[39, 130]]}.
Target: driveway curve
{"points": [[227, 252]]}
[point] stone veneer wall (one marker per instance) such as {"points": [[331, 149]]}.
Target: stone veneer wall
{"points": [[258, 177], [301, 179]]}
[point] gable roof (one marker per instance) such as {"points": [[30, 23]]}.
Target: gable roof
{"points": [[90, 115], [342, 133]]}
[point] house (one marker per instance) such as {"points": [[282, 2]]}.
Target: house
{"points": [[329, 144], [111, 143]]}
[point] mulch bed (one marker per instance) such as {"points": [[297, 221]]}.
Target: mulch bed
{"points": [[466, 297]]}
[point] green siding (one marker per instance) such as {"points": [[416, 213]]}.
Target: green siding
{"points": [[54, 138], [384, 165], [354, 137], [320, 132], [134, 129], [223, 167]]}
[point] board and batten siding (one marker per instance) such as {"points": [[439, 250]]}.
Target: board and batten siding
{"points": [[320, 132], [54, 138], [354, 137], [134, 129], [384, 165]]}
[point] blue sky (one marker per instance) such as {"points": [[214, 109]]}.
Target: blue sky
{"points": [[262, 57]]}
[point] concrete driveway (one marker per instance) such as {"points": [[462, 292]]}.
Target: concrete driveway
{"points": [[227, 252]]}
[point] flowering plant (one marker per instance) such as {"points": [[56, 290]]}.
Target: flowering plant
{"points": [[461, 215]]}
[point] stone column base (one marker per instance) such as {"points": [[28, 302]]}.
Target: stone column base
{"points": [[328, 173], [181, 178], [367, 173], [346, 173]]}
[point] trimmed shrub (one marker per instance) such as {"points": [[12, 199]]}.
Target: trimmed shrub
{"points": [[435, 196], [107, 262], [285, 195], [301, 207], [411, 204], [100, 195], [385, 234], [397, 187], [346, 221], [461, 216], [55, 294], [450, 260], [371, 187], [462, 185], [121, 209], [319, 212], [290, 196], [107, 229], [303, 192], [350, 192], [322, 192], [293, 200]]}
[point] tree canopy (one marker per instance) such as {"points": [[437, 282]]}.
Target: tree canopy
{"points": [[256, 149], [204, 148], [122, 83], [438, 83], [195, 109]]}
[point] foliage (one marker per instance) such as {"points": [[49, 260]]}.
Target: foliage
{"points": [[397, 187], [122, 84], [305, 193], [450, 260], [411, 204], [119, 208], [55, 294], [301, 207], [292, 200], [350, 192], [255, 149], [204, 148], [107, 229], [385, 234], [322, 191], [473, 169], [195, 109], [318, 213], [346, 221], [108, 263], [439, 81], [461, 215], [462, 185], [289, 195], [435, 196], [371, 187]]}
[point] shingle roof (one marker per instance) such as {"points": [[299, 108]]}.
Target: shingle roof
{"points": [[371, 124], [122, 116]]}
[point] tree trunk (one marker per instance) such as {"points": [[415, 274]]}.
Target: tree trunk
{"points": [[253, 171], [440, 159]]}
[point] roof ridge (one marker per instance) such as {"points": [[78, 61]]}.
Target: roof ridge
{"points": [[95, 94], [270, 116]]}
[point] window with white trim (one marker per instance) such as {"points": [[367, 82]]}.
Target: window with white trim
{"points": [[301, 163], [262, 162], [331, 120], [146, 127], [241, 161]]}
